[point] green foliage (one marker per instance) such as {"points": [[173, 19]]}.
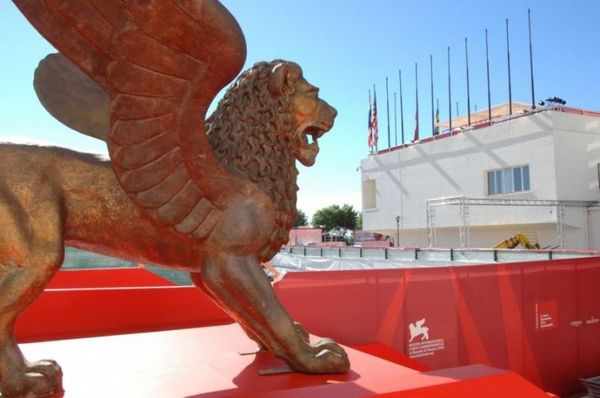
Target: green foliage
{"points": [[301, 220], [335, 217]]}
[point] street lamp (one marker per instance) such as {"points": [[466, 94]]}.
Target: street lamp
{"points": [[397, 231]]}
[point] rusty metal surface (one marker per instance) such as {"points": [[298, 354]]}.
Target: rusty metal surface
{"points": [[214, 197]]}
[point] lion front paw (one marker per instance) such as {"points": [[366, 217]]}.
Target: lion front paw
{"points": [[40, 379]]}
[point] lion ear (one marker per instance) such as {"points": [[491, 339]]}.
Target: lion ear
{"points": [[283, 79]]}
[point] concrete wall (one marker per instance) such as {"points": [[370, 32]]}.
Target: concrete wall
{"points": [[577, 155], [557, 147]]}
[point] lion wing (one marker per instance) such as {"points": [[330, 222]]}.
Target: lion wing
{"points": [[72, 97], [161, 62]]}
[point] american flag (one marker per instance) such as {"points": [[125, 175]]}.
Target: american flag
{"points": [[373, 128]]}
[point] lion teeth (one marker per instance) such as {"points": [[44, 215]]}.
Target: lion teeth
{"points": [[308, 140]]}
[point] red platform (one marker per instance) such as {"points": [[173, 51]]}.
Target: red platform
{"points": [[205, 362]]}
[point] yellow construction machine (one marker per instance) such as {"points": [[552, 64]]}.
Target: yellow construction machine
{"points": [[515, 240]]}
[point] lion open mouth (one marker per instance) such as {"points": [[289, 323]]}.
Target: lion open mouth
{"points": [[316, 122], [308, 147]]}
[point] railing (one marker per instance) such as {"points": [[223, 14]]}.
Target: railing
{"points": [[436, 255]]}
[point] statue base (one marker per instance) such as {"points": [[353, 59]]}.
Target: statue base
{"points": [[208, 362]]}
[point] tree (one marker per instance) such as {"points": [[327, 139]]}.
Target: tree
{"points": [[301, 220], [335, 217]]}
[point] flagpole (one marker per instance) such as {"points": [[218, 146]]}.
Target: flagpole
{"points": [[449, 93], [487, 61], [416, 132], [531, 59], [468, 88], [376, 125], [387, 100], [510, 111], [395, 122], [401, 106], [431, 80]]}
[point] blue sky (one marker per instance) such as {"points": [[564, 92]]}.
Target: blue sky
{"points": [[346, 46]]}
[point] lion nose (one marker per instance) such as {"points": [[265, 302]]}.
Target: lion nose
{"points": [[330, 109]]}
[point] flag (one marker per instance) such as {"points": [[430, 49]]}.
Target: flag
{"points": [[437, 119], [370, 124], [373, 128]]}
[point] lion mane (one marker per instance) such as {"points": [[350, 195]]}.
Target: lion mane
{"points": [[251, 133]]}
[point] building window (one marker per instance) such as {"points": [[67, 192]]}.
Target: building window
{"points": [[508, 180], [369, 194]]}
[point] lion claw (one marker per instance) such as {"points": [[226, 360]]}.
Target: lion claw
{"points": [[35, 383], [325, 352], [324, 356]]}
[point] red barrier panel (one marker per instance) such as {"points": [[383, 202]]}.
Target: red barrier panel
{"points": [[540, 319], [107, 277], [587, 322], [72, 313]]}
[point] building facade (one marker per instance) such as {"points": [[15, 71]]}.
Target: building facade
{"points": [[536, 173]]}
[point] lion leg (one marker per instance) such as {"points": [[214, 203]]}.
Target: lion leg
{"points": [[31, 251], [241, 287], [197, 280]]}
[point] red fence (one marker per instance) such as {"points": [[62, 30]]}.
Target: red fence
{"points": [[99, 302], [540, 319]]}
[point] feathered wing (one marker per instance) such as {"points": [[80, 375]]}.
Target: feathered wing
{"points": [[72, 97], [161, 63]]}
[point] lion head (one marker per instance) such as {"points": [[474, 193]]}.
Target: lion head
{"points": [[269, 118], [312, 117]]}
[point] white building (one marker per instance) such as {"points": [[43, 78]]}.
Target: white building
{"points": [[536, 172]]}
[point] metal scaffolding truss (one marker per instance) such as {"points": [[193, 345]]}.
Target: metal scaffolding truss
{"points": [[465, 202]]}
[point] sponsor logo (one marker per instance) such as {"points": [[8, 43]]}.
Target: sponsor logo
{"points": [[546, 315], [418, 329], [419, 344], [576, 324]]}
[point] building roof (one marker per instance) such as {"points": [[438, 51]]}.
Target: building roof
{"points": [[480, 119], [498, 112]]}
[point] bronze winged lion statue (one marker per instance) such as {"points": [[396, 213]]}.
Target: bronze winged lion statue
{"points": [[215, 197]]}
